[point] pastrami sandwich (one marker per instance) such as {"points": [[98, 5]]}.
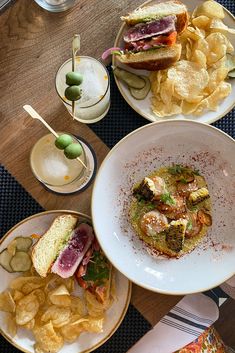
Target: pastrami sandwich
{"points": [[61, 249], [151, 40]]}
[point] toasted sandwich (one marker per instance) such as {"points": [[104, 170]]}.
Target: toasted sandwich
{"points": [[150, 41]]}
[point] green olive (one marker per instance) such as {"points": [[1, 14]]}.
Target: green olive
{"points": [[73, 78], [72, 93], [63, 141], [73, 151]]}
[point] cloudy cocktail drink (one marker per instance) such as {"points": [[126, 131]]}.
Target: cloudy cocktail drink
{"points": [[50, 165], [94, 102]]}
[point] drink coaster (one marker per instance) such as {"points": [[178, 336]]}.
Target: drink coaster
{"points": [[83, 183]]}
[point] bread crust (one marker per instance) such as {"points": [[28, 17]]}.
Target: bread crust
{"points": [[153, 63], [38, 243], [182, 18]]}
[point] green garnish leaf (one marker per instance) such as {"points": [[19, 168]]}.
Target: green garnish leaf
{"points": [[167, 198], [176, 169], [190, 225], [97, 269], [196, 172], [116, 52], [194, 208], [150, 206], [183, 181]]}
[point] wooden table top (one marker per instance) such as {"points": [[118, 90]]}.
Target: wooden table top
{"points": [[33, 45]]}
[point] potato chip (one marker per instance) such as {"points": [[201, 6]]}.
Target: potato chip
{"points": [[217, 25], [60, 296], [70, 333], [212, 101], [19, 282], [39, 294], [7, 302], [11, 324], [188, 48], [78, 306], [59, 316], [17, 295], [167, 91], [30, 286], [47, 339], [202, 45], [189, 79], [29, 325], [161, 110], [188, 108], [210, 9], [26, 309], [201, 22], [200, 58], [193, 33], [216, 76], [93, 325], [218, 46]]}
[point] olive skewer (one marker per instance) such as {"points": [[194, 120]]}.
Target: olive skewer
{"points": [[35, 115], [75, 48]]}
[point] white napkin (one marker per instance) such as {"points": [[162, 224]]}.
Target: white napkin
{"points": [[182, 325], [229, 287]]}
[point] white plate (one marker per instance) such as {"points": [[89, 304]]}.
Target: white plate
{"points": [[143, 107], [87, 342], [146, 149]]}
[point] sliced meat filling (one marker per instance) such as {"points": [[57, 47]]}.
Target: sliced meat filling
{"points": [[149, 43], [164, 25]]}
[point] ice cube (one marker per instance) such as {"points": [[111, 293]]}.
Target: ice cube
{"points": [[92, 87]]}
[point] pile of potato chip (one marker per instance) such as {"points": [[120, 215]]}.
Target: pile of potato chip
{"points": [[48, 307], [197, 82]]}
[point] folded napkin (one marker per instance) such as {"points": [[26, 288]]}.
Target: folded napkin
{"points": [[182, 325], [229, 287]]}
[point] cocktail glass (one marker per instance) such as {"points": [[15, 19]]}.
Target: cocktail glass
{"points": [[53, 169], [95, 98]]}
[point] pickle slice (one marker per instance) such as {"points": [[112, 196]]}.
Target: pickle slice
{"points": [[142, 92], [23, 243], [21, 262], [129, 78], [5, 259]]}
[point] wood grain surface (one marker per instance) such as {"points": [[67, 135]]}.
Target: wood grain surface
{"points": [[34, 43]]}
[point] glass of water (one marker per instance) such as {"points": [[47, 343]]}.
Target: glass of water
{"points": [[56, 5], [95, 87]]}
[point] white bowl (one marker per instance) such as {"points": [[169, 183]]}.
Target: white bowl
{"points": [[183, 142]]}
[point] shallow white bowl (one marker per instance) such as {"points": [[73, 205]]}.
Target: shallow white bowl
{"points": [[143, 107], [183, 142]]}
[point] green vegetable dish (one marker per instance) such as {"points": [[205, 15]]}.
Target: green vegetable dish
{"points": [[171, 210]]}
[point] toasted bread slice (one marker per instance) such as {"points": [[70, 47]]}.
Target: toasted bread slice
{"points": [[49, 245], [162, 9], [153, 59]]}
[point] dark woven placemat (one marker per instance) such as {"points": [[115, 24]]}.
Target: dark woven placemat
{"points": [[15, 205], [122, 119]]}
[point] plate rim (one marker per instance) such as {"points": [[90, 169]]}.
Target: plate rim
{"points": [[129, 291], [133, 280], [139, 111]]}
